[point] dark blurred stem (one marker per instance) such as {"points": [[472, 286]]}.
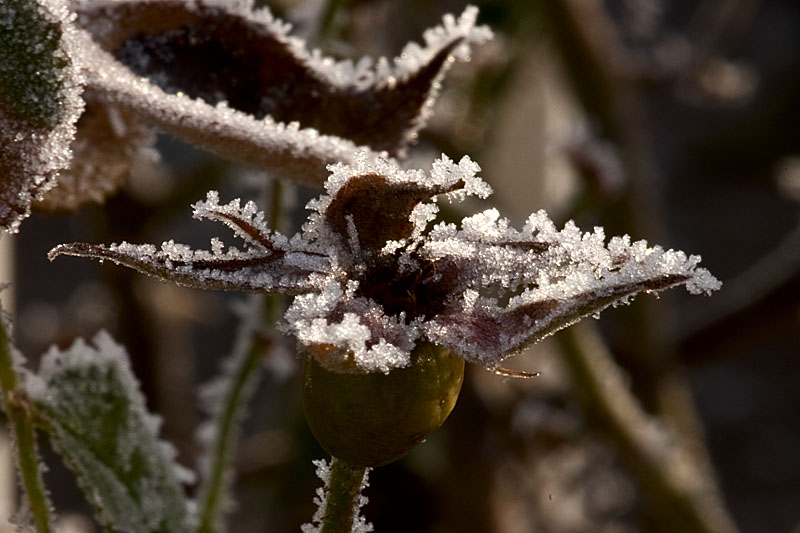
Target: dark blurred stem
{"points": [[248, 353], [24, 435], [328, 17], [342, 499], [607, 79], [247, 356], [680, 487]]}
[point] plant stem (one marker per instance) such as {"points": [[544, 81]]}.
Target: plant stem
{"points": [[680, 486], [22, 426], [244, 365], [344, 492], [247, 359]]}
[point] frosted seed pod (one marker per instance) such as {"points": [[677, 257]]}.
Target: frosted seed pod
{"points": [[374, 419]]}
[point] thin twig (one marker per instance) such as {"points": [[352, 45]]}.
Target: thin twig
{"points": [[243, 373], [766, 275]]}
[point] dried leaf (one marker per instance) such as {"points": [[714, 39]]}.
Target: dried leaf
{"points": [[378, 210], [233, 81], [272, 264], [487, 334], [40, 101]]}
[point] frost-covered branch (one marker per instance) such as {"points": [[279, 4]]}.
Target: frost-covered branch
{"points": [[262, 99]]}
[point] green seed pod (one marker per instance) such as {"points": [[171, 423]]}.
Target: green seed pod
{"points": [[374, 419]]}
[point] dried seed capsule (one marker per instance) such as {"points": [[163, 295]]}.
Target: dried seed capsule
{"points": [[374, 419]]}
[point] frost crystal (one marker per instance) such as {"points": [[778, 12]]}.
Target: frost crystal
{"points": [[373, 280]]}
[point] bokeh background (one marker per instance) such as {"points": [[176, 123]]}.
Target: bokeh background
{"points": [[670, 121]]}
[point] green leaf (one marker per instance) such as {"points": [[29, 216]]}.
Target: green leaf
{"points": [[91, 405], [30, 72]]}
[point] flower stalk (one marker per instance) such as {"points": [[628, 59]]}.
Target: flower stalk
{"points": [[343, 497], [19, 415]]}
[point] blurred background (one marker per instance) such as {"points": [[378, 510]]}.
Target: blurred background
{"points": [[670, 121]]}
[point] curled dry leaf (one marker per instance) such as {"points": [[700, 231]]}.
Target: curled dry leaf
{"points": [[40, 87], [233, 81]]}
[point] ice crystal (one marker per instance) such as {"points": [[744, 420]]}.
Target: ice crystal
{"points": [[372, 279]]}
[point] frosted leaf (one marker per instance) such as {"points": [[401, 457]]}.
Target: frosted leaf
{"points": [[272, 264], [570, 286], [377, 280], [40, 86], [379, 199], [97, 421], [261, 98]]}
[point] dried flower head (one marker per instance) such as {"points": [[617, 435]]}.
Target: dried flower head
{"points": [[373, 278]]}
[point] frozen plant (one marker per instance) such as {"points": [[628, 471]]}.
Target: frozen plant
{"points": [[388, 303]]}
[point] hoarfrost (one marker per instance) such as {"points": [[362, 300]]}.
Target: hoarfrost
{"points": [[372, 280], [275, 106], [40, 87], [323, 471], [99, 424]]}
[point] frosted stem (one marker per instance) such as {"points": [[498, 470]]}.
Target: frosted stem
{"points": [[247, 356], [343, 498], [22, 426]]}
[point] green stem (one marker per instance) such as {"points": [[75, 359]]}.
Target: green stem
{"points": [[22, 426], [342, 502], [246, 359], [240, 386]]}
